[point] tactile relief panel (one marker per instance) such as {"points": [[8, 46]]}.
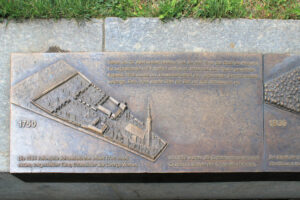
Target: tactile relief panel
{"points": [[136, 113], [281, 112]]}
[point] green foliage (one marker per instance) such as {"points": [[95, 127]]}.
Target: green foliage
{"points": [[281, 9], [164, 9], [170, 9], [223, 9]]}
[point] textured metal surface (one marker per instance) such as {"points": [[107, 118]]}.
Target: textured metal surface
{"points": [[281, 112], [283, 91], [207, 107], [77, 101], [39, 36]]}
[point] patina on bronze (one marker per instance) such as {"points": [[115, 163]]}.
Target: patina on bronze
{"points": [[282, 112], [78, 102], [142, 112]]}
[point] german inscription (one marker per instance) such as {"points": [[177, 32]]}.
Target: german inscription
{"points": [[150, 112]]}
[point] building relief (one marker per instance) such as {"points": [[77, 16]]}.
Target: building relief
{"points": [[76, 101], [284, 91]]}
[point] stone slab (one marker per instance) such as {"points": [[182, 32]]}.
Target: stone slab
{"points": [[197, 35], [11, 188], [39, 36], [213, 190], [186, 112]]}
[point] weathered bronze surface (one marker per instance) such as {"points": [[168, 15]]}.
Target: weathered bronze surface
{"points": [[153, 112], [282, 112]]}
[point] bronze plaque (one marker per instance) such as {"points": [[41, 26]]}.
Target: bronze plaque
{"points": [[143, 112], [282, 112]]}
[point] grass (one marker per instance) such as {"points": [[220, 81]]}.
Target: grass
{"points": [[164, 9]]}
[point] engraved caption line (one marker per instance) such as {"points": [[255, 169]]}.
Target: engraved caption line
{"points": [[70, 158], [74, 161], [181, 75], [212, 164], [211, 157], [212, 161], [284, 157], [282, 163], [178, 68], [64, 164], [207, 62], [174, 82]]}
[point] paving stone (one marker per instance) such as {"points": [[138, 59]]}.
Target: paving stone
{"points": [[213, 190], [195, 35], [39, 36], [11, 188]]}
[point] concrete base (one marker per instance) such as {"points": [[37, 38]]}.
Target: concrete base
{"points": [[13, 188]]}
